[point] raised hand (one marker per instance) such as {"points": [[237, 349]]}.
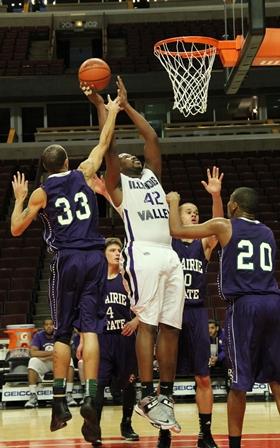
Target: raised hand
{"points": [[93, 96], [173, 196], [86, 88], [113, 104], [122, 93], [99, 185], [214, 181], [20, 186]]}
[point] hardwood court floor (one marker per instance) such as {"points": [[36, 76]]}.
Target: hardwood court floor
{"points": [[23, 428]]}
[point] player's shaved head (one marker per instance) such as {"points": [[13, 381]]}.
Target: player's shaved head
{"points": [[246, 199], [53, 158]]}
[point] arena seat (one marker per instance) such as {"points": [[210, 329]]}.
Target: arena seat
{"points": [[13, 319], [211, 277], [213, 266], [212, 289], [208, 302], [21, 295], [5, 283], [14, 49], [26, 272], [20, 258], [3, 295], [82, 133], [13, 262], [217, 302], [29, 252], [28, 283], [11, 242], [220, 314], [211, 313], [22, 307], [6, 273]]}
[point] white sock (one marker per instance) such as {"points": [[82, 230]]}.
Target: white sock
{"points": [[69, 388], [81, 371], [33, 388]]}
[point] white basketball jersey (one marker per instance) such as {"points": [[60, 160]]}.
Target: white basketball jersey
{"points": [[144, 209]]}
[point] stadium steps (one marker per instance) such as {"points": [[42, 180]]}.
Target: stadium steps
{"points": [[39, 50]]}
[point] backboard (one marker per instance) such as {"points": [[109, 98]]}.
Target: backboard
{"points": [[261, 45]]}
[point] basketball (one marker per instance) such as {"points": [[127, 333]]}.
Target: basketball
{"points": [[96, 73]]}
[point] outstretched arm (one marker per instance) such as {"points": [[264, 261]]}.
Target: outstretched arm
{"points": [[22, 218], [152, 154], [94, 160], [213, 186], [112, 175], [220, 227]]}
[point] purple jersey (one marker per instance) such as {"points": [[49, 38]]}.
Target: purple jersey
{"points": [[194, 265], [247, 262], [43, 341], [117, 305], [71, 215]]}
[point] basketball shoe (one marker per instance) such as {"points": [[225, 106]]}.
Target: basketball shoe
{"points": [[32, 402], [168, 404], [98, 441], [90, 428], [206, 441], [164, 439], [156, 410], [127, 431], [70, 400], [60, 414]]}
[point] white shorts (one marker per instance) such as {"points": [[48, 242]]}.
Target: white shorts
{"points": [[156, 282], [43, 367]]}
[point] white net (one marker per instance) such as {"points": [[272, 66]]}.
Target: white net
{"points": [[189, 66]]}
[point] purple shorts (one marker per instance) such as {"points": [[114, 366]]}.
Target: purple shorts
{"points": [[77, 291], [194, 343], [117, 358], [252, 340]]}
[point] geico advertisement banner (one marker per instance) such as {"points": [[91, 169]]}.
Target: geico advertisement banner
{"points": [[259, 389], [181, 388], [19, 393], [184, 388], [188, 388], [22, 393], [219, 387]]}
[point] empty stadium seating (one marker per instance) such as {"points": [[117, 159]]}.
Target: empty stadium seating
{"points": [[15, 44], [20, 258], [138, 40]]}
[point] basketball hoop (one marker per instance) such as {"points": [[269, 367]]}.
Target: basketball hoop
{"points": [[189, 62]]}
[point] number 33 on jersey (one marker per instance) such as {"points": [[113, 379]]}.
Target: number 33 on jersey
{"points": [[71, 216]]}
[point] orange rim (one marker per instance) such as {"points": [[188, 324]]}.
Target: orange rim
{"points": [[228, 50]]}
